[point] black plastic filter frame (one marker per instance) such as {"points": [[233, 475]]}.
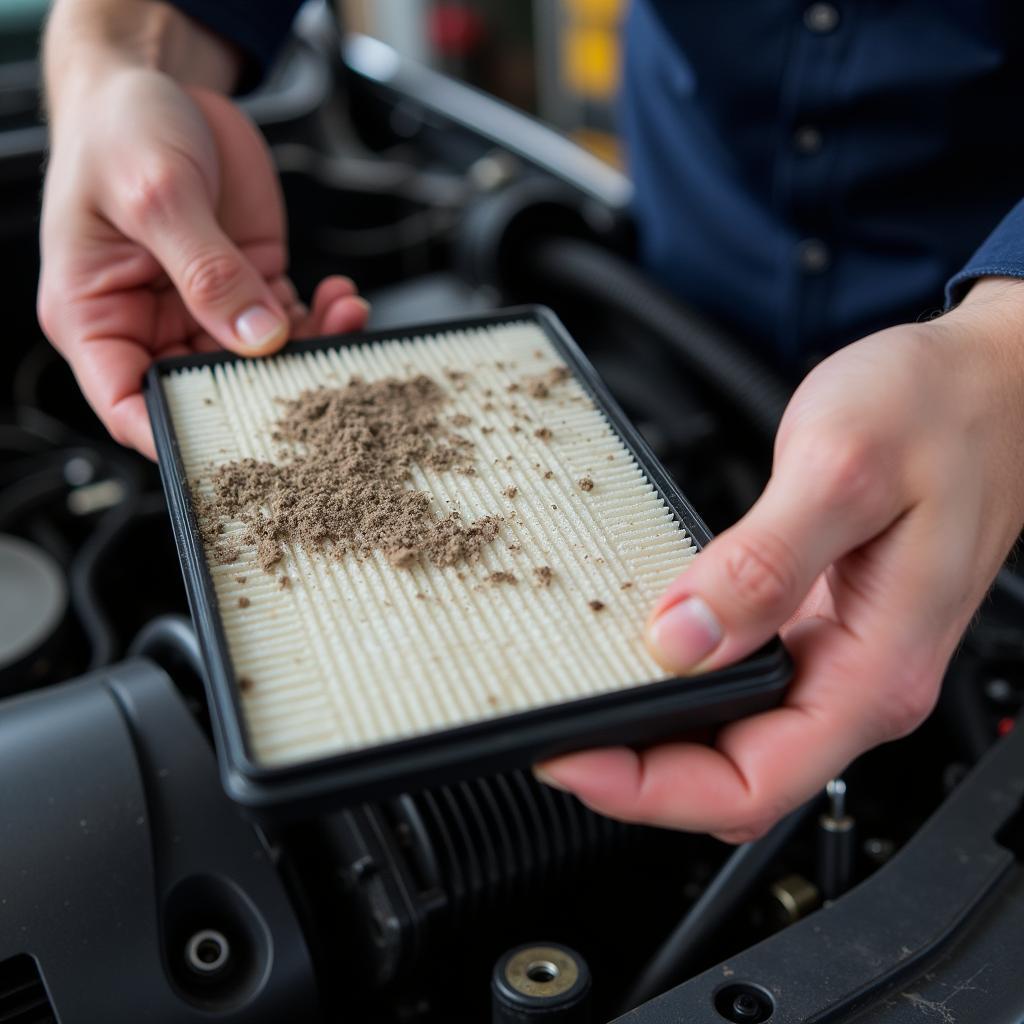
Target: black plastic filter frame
{"points": [[635, 716]]}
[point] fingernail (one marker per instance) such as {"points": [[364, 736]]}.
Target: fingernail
{"points": [[542, 776], [684, 634], [257, 327]]}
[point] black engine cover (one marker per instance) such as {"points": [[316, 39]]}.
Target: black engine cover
{"points": [[118, 846]]}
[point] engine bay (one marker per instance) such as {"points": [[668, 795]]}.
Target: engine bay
{"points": [[134, 889]]}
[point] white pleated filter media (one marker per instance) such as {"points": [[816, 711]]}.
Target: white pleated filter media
{"points": [[355, 652]]}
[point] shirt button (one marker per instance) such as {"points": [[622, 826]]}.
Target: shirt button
{"points": [[807, 140], [813, 256], [821, 18]]}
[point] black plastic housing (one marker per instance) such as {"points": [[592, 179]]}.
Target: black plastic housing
{"points": [[118, 846], [639, 715]]}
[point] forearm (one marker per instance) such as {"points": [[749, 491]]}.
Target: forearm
{"points": [[87, 38]]}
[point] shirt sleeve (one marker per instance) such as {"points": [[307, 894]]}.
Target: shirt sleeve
{"points": [[1000, 255], [256, 27]]}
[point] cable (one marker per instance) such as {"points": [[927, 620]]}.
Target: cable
{"points": [[728, 889], [167, 640], [751, 387], [85, 598]]}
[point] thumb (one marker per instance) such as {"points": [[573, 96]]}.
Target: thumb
{"points": [[751, 579], [173, 218]]}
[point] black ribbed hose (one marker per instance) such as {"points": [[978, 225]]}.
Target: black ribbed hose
{"points": [[750, 387]]}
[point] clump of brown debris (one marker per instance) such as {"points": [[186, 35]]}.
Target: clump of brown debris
{"points": [[540, 386], [343, 487]]}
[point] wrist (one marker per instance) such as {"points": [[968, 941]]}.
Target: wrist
{"points": [[984, 343], [89, 39]]}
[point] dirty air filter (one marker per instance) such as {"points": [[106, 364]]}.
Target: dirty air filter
{"points": [[414, 556]]}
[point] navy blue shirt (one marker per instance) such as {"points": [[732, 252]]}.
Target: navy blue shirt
{"points": [[807, 171]]}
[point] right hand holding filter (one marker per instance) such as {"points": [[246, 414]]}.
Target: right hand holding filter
{"points": [[895, 496]]}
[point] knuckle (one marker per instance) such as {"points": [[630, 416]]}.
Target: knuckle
{"points": [[152, 193], [210, 277], [908, 703], [844, 469], [762, 572], [854, 475]]}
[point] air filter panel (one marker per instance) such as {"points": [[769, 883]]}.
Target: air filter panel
{"points": [[339, 669]]}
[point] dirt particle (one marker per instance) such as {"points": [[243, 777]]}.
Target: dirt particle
{"points": [[514, 548], [342, 487], [240, 579], [511, 491], [548, 475], [458, 379], [487, 430], [544, 433], [207, 401], [539, 386], [626, 585], [501, 577], [596, 606], [460, 419], [245, 684], [284, 583], [492, 700], [543, 575], [244, 602], [586, 483]]}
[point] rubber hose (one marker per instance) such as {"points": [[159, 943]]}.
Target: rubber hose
{"points": [[751, 387], [168, 639], [734, 882]]}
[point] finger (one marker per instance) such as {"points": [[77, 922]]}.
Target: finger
{"points": [[173, 217], [751, 778], [336, 286], [128, 422], [822, 501], [110, 372], [284, 292], [344, 315], [336, 309]]}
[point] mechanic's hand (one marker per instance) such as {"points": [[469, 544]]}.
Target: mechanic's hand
{"points": [[163, 233], [896, 493]]}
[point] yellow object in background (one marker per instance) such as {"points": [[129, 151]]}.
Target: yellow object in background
{"points": [[591, 61], [590, 57]]}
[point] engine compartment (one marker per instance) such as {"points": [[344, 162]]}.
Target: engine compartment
{"points": [[397, 910]]}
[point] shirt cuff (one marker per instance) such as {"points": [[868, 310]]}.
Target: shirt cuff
{"points": [[1000, 255], [257, 29]]}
